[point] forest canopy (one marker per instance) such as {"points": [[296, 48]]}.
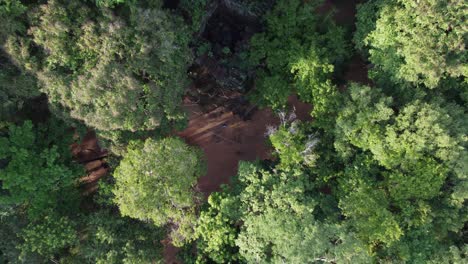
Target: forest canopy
{"points": [[422, 42], [155, 181], [111, 71], [233, 131]]}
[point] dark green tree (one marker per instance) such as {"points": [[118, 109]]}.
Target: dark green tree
{"points": [[10, 13], [16, 88], [115, 239], [38, 173], [48, 236], [11, 224], [298, 53]]}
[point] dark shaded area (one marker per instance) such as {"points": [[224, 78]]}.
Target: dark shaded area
{"points": [[89, 153], [225, 30], [229, 27], [35, 109], [241, 107], [344, 13], [219, 75], [171, 4]]}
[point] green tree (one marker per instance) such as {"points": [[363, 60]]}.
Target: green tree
{"points": [[419, 135], [16, 88], [39, 174], [115, 239], [366, 205], [402, 187], [294, 145], [422, 42], [113, 71], [216, 229], [274, 213], [49, 235], [110, 3], [420, 245], [299, 52], [10, 13], [156, 181], [196, 9], [11, 224], [279, 223], [39, 201]]}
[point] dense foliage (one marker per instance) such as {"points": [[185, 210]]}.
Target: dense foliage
{"points": [[422, 42], [38, 179], [39, 173], [382, 179], [409, 157], [378, 175], [155, 181], [16, 88], [113, 71], [120, 240], [277, 220], [298, 52], [39, 206]]}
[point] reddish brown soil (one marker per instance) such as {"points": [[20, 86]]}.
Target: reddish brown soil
{"points": [[226, 139], [90, 154]]}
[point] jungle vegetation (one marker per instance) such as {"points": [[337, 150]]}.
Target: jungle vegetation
{"points": [[379, 174]]}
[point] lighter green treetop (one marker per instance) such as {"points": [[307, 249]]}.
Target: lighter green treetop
{"points": [[156, 181], [422, 42]]}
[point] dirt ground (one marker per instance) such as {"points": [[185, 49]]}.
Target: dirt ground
{"points": [[92, 157], [226, 139]]}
